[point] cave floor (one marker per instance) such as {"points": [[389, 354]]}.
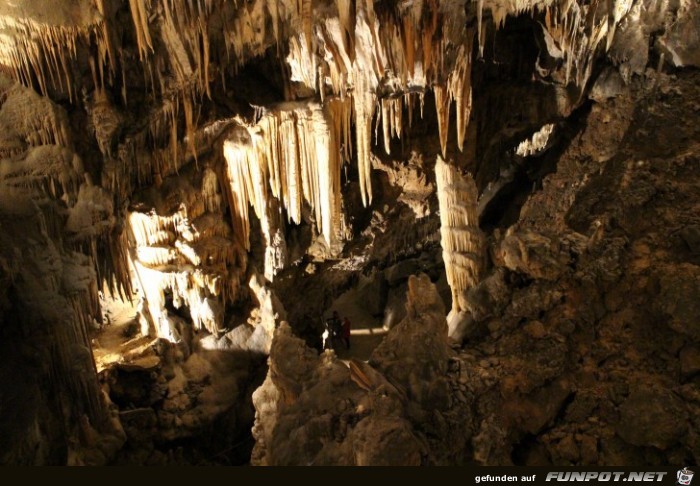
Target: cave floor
{"points": [[119, 340]]}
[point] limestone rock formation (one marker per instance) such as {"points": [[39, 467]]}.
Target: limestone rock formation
{"points": [[378, 413], [499, 195]]}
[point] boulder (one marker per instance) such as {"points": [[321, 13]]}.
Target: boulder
{"points": [[652, 416], [490, 296], [458, 324], [609, 84], [690, 360], [530, 253]]}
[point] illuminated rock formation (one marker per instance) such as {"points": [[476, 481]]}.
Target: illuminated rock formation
{"points": [[190, 253], [210, 163], [462, 241]]}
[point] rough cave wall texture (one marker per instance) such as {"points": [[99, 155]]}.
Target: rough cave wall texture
{"points": [[233, 166]]}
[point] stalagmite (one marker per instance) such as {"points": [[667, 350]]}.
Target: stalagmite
{"points": [[461, 238]]}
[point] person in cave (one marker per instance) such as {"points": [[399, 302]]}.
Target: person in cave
{"points": [[333, 331], [346, 332]]}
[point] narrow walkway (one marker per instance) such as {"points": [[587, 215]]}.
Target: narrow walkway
{"points": [[362, 343]]}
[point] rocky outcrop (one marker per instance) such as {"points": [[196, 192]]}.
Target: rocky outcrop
{"points": [[394, 410], [584, 327], [51, 216]]}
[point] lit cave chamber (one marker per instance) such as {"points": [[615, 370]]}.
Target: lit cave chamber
{"points": [[498, 199]]}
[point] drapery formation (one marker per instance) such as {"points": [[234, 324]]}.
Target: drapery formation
{"points": [[293, 154]]}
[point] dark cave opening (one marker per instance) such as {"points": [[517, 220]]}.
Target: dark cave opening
{"points": [[526, 176]]}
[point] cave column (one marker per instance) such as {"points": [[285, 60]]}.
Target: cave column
{"points": [[461, 239]]}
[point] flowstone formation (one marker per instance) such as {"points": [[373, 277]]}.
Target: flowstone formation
{"points": [[189, 187]]}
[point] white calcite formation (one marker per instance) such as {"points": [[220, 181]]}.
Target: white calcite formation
{"points": [[537, 143], [355, 64], [294, 155], [189, 254], [461, 238]]}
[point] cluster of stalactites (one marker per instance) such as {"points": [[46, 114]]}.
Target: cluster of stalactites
{"points": [[190, 29], [156, 152], [185, 29], [294, 154], [379, 58], [576, 27], [461, 238], [42, 52]]}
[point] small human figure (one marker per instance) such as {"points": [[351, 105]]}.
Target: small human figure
{"points": [[336, 324], [346, 332], [333, 328]]}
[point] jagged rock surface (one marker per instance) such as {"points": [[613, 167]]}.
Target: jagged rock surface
{"points": [[395, 410], [135, 135], [579, 351]]}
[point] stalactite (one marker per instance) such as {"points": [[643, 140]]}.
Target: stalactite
{"points": [[106, 54], [392, 120], [480, 25], [442, 107], [190, 125], [292, 154], [112, 263], [307, 21], [139, 15], [462, 241], [364, 112], [460, 88]]}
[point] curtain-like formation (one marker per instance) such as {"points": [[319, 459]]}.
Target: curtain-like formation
{"points": [[293, 154]]}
